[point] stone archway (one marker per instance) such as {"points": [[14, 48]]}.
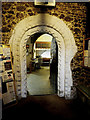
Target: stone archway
{"points": [[43, 23]]}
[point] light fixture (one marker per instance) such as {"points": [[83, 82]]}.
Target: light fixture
{"points": [[44, 3]]}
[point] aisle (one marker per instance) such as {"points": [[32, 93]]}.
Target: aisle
{"points": [[38, 82]]}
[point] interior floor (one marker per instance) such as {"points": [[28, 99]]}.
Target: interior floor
{"points": [[46, 107], [38, 82]]}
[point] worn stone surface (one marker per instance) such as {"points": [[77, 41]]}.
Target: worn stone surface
{"points": [[66, 48]]}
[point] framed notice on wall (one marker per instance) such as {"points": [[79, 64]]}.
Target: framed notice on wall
{"points": [[86, 52], [8, 86]]}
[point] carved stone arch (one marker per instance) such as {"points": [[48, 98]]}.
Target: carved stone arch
{"points": [[61, 60], [66, 50]]}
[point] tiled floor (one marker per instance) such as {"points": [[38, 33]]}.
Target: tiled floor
{"points": [[38, 82]]}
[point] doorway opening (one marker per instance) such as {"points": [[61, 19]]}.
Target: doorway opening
{"points": [[67, 49], [42, 64]]}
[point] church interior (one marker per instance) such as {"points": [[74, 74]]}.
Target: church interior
{"points": [[45, 60]]}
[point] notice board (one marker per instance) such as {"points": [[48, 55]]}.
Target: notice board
{"points": [[6, 75]]}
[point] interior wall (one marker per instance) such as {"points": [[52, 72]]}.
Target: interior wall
{"points": [[88, 20], [44, 52], [73, 14]]}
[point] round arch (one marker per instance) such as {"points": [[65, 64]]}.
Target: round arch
{"points": [[43, 23]]}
